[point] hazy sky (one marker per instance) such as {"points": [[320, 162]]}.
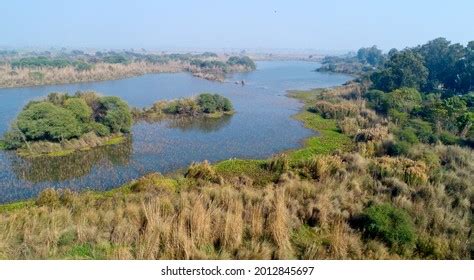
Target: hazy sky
{"points": [[298, 24]]}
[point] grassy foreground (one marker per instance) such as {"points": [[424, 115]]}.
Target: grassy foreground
{"points": [[338, 197]]}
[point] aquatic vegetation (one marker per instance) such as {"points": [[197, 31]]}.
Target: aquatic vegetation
{"points": [[204, 105], [62, 124]]}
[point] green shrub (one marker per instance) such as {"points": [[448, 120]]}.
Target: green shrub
{"points": [[114, 113], [392, 225], [408, 135], [278, 164], [398, 148], [210, 103], [79, 108], [100, 129], [45, 121], [12, 139], [448, 138]]}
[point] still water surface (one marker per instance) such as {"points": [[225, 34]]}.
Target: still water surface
{"points": [[262, 126]]}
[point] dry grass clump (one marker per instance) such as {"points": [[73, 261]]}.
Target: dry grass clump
{"points": [[10, 77], [165, 218], [376, 133], [340, 110], [411, 172], [203, 172]]}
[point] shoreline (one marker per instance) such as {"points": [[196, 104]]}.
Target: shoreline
{"points": [[327, 139]]}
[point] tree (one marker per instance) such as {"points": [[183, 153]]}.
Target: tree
{"points": [[46, 121], [114, 113], [79, 108], [404, 99], [372, 55], [403, 69]]}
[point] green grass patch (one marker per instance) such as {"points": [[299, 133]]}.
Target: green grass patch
{"points": [[15, 206], [87, 252], [329, 139], [252, 168], [114, 140], [3, 145]]}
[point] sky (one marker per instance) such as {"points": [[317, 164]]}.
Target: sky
{"points": [[333, 25]]}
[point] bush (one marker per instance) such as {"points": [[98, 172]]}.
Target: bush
{"points": [[392, 225], [48, 197], [244, 61], [100, 129], [448, 138], [203, 171], [210, 103], [45, 121], [398, 148], [79, 108], [408, 135], [12, 139], [114, 113]]}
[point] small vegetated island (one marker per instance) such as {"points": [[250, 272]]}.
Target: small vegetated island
{"points": [[204, 105], [61, 123]]}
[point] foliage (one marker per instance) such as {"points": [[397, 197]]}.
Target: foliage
{"points": [[61, 118], [242, 60], [211, 103], [46, 121], [372, 55], [403, 69], [394, 226], [114, 113]]}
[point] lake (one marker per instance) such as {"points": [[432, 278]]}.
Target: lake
{"points": [[261, 126]]}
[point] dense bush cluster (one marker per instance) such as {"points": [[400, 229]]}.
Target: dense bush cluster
{"points": [[61, 117], [203, 104]]}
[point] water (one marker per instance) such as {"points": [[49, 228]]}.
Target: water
{"points": [[262, 126]]}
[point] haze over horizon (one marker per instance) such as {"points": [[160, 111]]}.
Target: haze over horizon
{"points": [[317, 25]]}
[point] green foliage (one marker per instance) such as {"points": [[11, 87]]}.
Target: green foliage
{"points": [[398, 148], [392, 225], [404, 99], [115, 59], [13, 139], [82, 66], [243, 60], [46, 121], [40, 61], [114, 113], [372, 55], [100, 129], [210, 103], [79, 108], [403, 69]]}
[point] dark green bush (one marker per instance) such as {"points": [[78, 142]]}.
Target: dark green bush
{"points": [[392, 225], [398, 148], [448, 138], [79, 108], [211, 103], [114, 113], [45, 121]]}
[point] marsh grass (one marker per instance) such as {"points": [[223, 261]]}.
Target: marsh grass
{"points": [[306, 204]]}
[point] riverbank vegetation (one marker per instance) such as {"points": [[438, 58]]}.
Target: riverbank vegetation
{"points": [[31, 69], [355, 192], [62, 123], [204, 105]]}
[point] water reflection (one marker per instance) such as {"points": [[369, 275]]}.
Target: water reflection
{"points": [[202, 124], [78, 164]]}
